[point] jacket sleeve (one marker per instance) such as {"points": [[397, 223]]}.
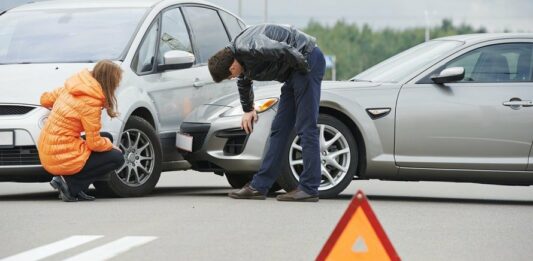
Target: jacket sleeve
{"points": [[267, 49], [246, 93], [91, 121], [49, 98]]}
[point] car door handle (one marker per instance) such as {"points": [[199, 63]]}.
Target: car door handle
{"points": [[518, 103]]}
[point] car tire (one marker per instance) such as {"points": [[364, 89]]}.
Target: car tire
{"points": [[329, 126], [238, 181], [142, 168]]}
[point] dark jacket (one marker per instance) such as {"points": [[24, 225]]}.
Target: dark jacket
{"points": [[269, 52]]}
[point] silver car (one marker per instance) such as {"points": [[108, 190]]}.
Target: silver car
{"points": [[456, 109], [162, 47]]}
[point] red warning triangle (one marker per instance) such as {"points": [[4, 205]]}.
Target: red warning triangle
{"points": [[358, 236]]}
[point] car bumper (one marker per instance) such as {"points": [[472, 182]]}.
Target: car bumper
{"points": [[21, 162], [220, 145]]}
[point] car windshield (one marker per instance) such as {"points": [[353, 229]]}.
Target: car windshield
{"points": [[66, 35], [407, 62]]}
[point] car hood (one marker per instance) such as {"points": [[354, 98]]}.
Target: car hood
{"points": [[273, 90], [24, 83]]}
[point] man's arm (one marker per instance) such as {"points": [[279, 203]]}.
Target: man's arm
{"points": [[246, 93]]}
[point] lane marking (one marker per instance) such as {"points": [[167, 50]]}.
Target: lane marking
{"points": [[112, 249], [51, 249]]}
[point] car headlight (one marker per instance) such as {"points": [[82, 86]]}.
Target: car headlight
{"points": [[42, 121], [259, 105]]}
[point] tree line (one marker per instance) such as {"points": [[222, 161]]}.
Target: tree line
{"points": [[357, 48]]}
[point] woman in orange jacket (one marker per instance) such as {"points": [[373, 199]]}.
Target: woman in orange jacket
{"points": [[77, 107]]}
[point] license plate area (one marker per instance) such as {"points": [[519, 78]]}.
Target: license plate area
{"points": [[7, 139], [184, 141]]}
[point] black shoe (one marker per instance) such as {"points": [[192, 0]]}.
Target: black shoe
{"points": [[84, 197], [297, 195], [55, 182], [247, 192], [64, 191], [55, 185]]}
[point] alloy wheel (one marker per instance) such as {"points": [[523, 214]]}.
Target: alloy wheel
{"points": [[335, 157], [139, 158]]}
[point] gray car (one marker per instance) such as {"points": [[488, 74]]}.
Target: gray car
{"points": [[456, 109]]}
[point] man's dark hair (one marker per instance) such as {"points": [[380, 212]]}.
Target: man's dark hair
{"points": [[219, 64]]}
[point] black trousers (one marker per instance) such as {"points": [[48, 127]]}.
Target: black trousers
{"points": [[97, 165]]}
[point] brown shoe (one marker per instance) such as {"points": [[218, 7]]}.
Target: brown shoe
{"points": [[246, 192], [298, 196]]}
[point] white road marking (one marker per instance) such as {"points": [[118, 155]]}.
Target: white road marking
{"points": [[51, 249], [111, 249]]}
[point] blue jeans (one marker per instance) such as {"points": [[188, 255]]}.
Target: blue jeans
{"points": [[298, 108]]}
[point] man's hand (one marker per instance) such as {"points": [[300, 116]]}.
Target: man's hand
{"points": [[248, 120]]}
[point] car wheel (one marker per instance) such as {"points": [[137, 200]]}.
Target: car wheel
{"points": [[238, 181], [142, 168], [339, 156]]}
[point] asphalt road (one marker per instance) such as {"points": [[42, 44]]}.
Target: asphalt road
{"points": [[189, 217]]}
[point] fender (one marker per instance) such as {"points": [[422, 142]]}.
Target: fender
{"points": [[377, 134], [129, 99]]}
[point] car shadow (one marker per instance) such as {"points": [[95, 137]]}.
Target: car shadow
{"points": [[34, 196], [191, 191], [222, 192], [439, 200]]}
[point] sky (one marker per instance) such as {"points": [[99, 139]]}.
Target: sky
{"points": [[494, 15]]}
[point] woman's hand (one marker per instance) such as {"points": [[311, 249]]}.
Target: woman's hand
{"points": [[248, 120]]}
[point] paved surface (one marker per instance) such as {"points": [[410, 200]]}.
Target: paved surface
{"points": [[189, 217]]}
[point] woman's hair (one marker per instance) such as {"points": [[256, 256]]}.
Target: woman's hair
{"points": [[108, 74], [220, 63]]}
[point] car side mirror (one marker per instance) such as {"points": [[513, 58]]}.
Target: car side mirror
{"points": [[447, 75], [176, 59]]}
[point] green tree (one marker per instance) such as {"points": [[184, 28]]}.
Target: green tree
{"points": [[357, 48]]}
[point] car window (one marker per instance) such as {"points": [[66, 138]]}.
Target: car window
{"points": [[174, 34], [409, 61], [497, 63], [232, 24], [209, 33], [144, 61]]}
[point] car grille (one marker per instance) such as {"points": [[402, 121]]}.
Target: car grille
{"points": [[236, 140], [14, 109], [198, 131], [23, 155]]}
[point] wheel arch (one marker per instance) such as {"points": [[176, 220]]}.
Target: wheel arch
{"points": [[144, 113], [356, 132]]}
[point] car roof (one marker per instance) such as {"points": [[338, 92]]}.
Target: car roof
{"points": [[68, 4], [474, 38]]}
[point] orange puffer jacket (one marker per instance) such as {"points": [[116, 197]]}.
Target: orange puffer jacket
{"points": [[76, 107]]}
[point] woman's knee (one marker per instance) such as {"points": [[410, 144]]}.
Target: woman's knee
{"points": [[117, 157]]}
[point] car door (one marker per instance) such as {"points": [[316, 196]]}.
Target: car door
{"points": [[209, 35], [483, 122], [172, 91], [195, 29]]}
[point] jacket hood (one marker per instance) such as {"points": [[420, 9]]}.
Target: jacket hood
{"points": [[83, 84]]}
